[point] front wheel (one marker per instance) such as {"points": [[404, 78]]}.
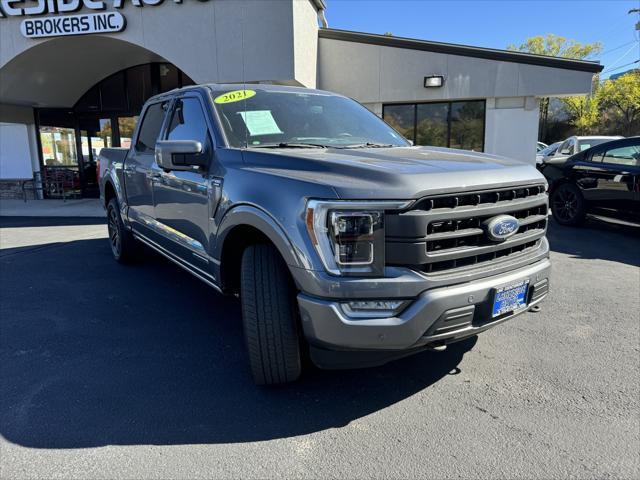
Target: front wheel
{"points": [[269, 316], [567, 205]]}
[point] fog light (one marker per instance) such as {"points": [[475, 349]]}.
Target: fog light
{"points": [[373, 308]]}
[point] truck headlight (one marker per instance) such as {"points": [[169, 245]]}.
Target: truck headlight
{"points": [[349, 236]]}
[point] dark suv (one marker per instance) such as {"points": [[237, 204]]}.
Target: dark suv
{"points": [[603, 180]]}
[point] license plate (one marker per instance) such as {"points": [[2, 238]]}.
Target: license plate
{"points": [[510, 298]]}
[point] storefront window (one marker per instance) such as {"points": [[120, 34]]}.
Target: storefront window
{"points": [[168, 77], [402, 119], [441, 124], [467, 125], [112, 92], [126, 125], [58, 147], [432, 124], [127, 91], [139, 86], [103, 138]]}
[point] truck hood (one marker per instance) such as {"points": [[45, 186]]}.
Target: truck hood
{"points": [[393, 173]]}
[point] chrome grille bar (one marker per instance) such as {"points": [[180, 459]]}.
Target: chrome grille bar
{"points": [[445, 233]]}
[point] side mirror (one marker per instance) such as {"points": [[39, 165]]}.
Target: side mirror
{"points": [[180, 155]]}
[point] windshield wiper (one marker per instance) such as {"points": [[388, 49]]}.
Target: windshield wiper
{"points": [[368, 145], [288, 145]]}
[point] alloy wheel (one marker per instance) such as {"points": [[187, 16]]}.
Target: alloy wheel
{"points": [[114, 231], [566, 204]]}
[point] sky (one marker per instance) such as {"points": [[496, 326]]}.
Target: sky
{"points": [[499, 23]]}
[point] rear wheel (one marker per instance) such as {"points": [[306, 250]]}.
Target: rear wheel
{"points": [[567, 205], [270, 316], [123, 246]]}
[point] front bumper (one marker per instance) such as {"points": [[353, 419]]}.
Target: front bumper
{"points": [[435, 317]]}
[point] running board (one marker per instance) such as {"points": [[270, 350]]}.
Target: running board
{"points": [[181, 263]]}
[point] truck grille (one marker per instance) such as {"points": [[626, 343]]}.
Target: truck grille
{"points": [[444, 233]]}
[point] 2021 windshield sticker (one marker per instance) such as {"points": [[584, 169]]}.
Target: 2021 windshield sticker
{"points": [[234, 96]]}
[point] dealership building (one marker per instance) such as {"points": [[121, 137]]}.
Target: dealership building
{"points": [[75, 73]]}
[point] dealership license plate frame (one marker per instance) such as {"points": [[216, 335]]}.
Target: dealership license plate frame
{"points": [[504, 301]]}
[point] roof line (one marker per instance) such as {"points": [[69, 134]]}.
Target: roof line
{"points": [[462, 50]]}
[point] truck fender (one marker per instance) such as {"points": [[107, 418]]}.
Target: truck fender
{"points": [[252, 216], [110, 179]]}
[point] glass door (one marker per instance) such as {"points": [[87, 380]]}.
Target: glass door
{"points": [[61, 176], [96, 140], [93, 135]]}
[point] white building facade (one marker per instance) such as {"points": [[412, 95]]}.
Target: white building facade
{"points": [[74, 74]]}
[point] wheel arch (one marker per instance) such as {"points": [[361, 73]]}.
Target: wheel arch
{"points": [[109, 192], [554, 184], [241, 227]]}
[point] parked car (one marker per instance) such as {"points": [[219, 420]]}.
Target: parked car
{"points": [[602, 180], [548, 152], [573, 145], [342, 241], [541, 146]]}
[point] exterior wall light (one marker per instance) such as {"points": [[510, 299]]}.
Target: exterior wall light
{"points": [[433, 81]]}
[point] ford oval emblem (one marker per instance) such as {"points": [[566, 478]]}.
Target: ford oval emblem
{"points": [[501, 227]]}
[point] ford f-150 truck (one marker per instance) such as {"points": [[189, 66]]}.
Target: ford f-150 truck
{"points": [[345, 244]]}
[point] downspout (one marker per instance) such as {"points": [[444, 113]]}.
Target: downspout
{"points": [[322, 18]]}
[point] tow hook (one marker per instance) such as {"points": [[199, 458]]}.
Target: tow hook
{"points": [[535, 309]]}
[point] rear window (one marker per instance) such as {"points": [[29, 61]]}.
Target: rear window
{"points": [[592, 142]]}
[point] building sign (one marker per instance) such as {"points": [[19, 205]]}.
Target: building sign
{"points": [[19, 8], [104, 22]]}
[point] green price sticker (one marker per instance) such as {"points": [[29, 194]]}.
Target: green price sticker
{"points": [[234, 96]]}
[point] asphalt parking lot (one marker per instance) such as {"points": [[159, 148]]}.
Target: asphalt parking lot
{"points": [[111, 371]]}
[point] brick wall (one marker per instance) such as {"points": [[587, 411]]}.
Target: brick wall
{"points": [[12, 189]]}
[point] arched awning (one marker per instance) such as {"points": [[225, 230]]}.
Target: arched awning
{"points": [[57, 72]]}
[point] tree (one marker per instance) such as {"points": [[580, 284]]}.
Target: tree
{"points": [[557, 46], [583, 112], [622, 96]]}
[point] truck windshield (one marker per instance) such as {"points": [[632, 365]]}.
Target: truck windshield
{"points": [[286, 119]]}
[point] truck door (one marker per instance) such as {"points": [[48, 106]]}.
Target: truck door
{"points": [[138, 170], [184, 199]]}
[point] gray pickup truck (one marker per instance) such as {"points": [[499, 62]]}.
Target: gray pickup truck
{"points": [[344, 243]]}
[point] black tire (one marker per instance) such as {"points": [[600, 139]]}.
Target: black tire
{"points": [[567, 205], [269, 316], [123, 246]]}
